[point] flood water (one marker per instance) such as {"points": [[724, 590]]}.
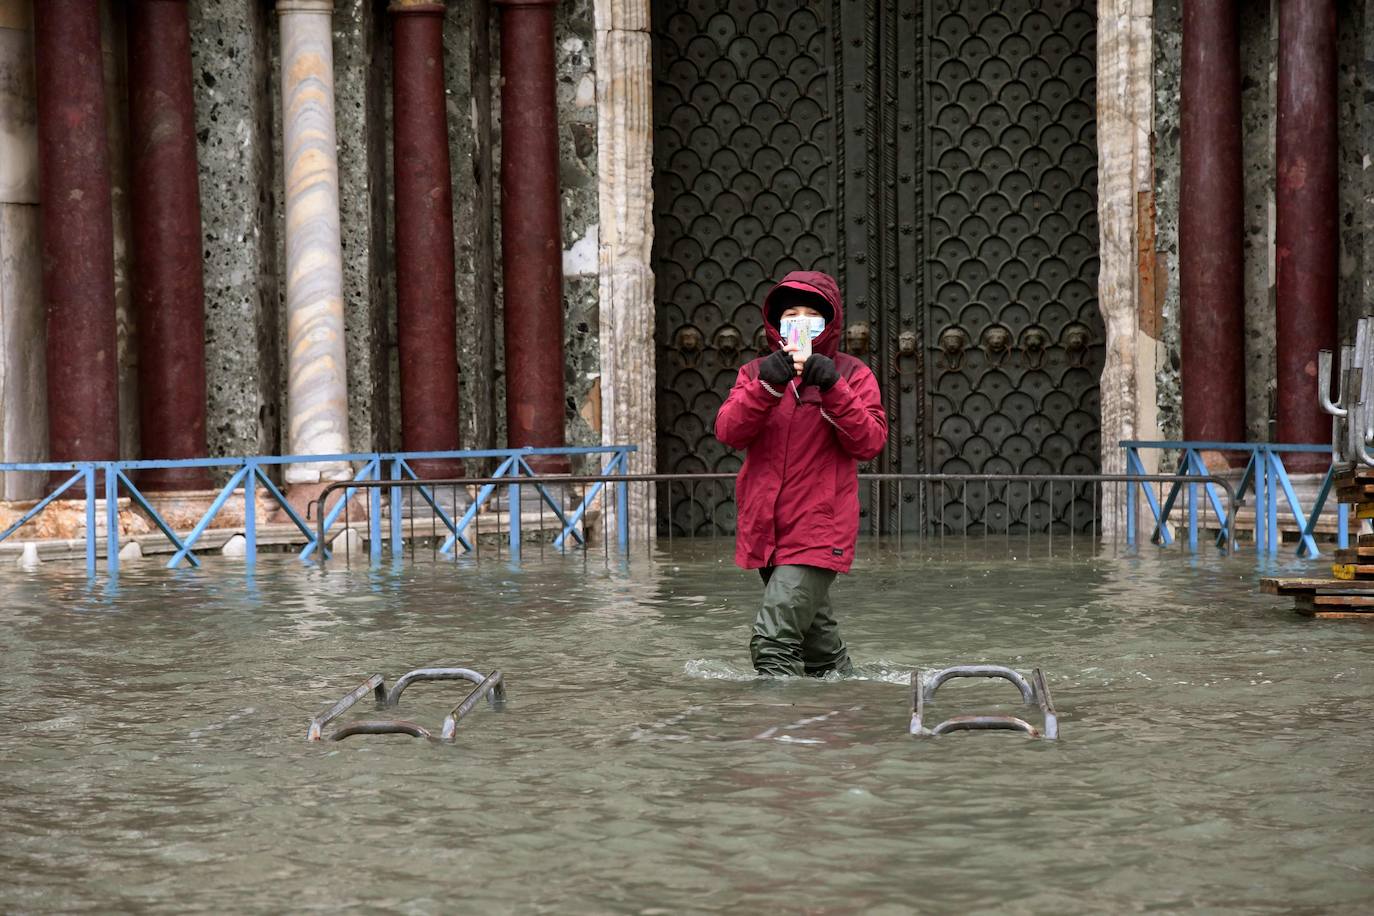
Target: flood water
{"points": [[1216, 750]]}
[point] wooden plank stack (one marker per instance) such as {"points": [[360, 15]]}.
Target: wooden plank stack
{"points": [[1349, 593]]}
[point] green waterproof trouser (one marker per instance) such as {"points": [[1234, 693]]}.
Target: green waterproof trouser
{"points": [[795, 632]]}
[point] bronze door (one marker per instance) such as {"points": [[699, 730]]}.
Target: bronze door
{"points": [[941, 162]]}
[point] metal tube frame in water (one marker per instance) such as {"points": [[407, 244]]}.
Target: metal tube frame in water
{"points": [[1034, 692], [490, 686]]}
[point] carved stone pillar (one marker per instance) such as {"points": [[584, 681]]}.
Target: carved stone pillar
{"points": [[317, 396], [625, 147], [426, 323], [1125, 179], [77, 233], [167, 282], [531, 232], [1307, 211]]}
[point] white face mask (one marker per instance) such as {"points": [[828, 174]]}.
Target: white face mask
{"points": [[800, 330]]}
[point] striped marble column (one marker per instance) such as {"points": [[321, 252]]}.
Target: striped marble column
{"points": [[317, 395]]}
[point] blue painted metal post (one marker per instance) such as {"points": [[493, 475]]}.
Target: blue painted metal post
{"points": [[1192, 517], [622, 509], [374, 523], [1132, 498], [250, 514], [1272, 488], [513, 505], [111, 521], [1261, 504], [1343, 523], [90, 522], [396, 546]]}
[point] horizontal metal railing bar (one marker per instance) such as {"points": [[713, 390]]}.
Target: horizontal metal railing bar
{"points": [[1226, 446], [272, 460], [514, 480]]}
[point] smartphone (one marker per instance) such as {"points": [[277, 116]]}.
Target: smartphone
{"points": [[799, 330]]}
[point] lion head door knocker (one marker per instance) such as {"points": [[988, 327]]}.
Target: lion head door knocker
{"points": [[953, 345], [856, 338], [997, 343], [1076, 339], [729, 341], [689, 346], [1034, 343], [761, 340]]}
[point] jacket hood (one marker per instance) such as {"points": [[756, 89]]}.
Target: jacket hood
{"points": [[815, 284]]}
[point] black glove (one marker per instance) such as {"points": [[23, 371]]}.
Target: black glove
{"points": [[777, 370], [820, 371]]}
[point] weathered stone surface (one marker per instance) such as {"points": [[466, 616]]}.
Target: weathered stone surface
{"points": [[317, 393], [575, 50], [625, 139], [23, 380], [236, 546], [234, 93], [1124, 112], [66, 519], [16, 14], [1168, 63], [113, 45], [360, 81], [18, 119], [1258, 72]]}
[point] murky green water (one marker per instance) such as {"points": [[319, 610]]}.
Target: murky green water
{"points": [[1217, 751]]}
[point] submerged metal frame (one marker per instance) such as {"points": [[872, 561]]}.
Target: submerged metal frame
{"points": [[489, 686], [1034, 692]]}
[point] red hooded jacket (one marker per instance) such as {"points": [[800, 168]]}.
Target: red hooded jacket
{"points": [[797, 495]]}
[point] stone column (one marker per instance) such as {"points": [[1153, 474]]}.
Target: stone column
{"points": [[425, 299], [167, 284], [23, 391], [625, 148], [1124, 183], [1306, 218], [531, 231], [1210, 256], [317, 396], [77, 232]]}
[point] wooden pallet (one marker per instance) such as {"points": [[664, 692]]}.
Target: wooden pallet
{"points": [[1326, 599]]}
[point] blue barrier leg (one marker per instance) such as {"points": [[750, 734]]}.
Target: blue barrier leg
{"points": [[208, 517], [158, 520], [1261, 505], [1272, 488], [250, 515], [622, 515], [111, 521], [90, 522], [396, 550], [374, 525], [1343, 520], [1192, 518], [513, 504]]}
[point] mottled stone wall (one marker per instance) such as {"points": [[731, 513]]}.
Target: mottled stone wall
{"points": [[1258, 101], [575, 50], [23, 392], [234, 107], [1352, 163], [1168, 68]]}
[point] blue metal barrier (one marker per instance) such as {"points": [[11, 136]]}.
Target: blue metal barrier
{"points": [[250, 472], [1265, 476]]}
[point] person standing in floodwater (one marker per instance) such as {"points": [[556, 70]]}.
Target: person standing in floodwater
{"points": [[805, 416]]}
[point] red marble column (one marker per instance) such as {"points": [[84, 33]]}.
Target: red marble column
{"points": [[531, 231], [1210, 254], [426, 299], [1307, 212], [168, 288], [77, 232]]}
